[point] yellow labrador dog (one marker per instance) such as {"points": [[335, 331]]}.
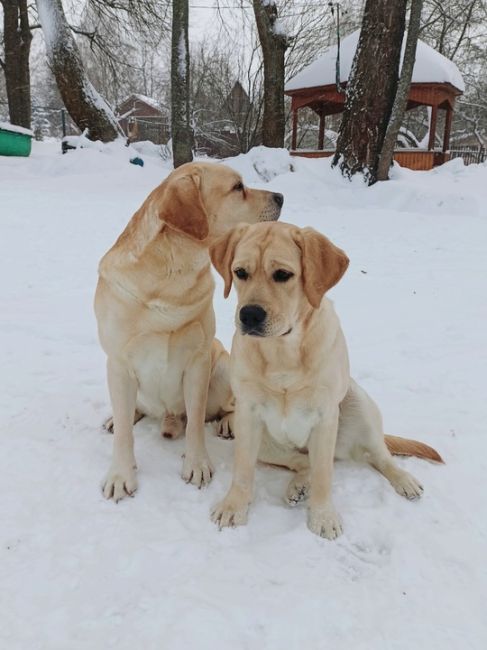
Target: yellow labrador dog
{"points": [[155, 314], [296, 404]]}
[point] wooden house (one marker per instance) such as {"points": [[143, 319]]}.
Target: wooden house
{"points": [[143, 118]]}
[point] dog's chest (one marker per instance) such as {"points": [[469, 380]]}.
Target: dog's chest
{"points": [[159, 362], [159, 377], [290, 423]]}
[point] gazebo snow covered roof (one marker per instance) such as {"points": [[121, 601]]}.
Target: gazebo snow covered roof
{"points": [[430, 67], [436, 82]]}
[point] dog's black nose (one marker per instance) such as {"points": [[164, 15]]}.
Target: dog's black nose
{"points": [[252, 316], [279, 199]]}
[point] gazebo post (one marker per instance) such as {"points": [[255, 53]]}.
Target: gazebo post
{"points": [[446, 134], [321, 132], [431, 141], [294, 138]]}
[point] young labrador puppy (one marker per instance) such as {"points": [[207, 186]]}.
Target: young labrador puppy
{"points": [[296, 404], [154, 307]]}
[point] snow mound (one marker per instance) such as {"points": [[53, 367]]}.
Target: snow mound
{"points": [[153, 572], [116, 152], [430, 66], [262, 164], [148, 148]]}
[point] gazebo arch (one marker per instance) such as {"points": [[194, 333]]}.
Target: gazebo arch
{"points": [[436, 83]]}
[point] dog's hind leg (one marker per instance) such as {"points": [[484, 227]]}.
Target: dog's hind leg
{"points": [[173, 426], [220, 406], [404, 483], [361, 437], [108, 424], [224, 425]]}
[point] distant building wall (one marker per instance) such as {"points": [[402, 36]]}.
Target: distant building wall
{"points": [[143, 120]]}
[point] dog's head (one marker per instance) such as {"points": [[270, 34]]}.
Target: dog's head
{"points": [[279, 270], [204, 200]]}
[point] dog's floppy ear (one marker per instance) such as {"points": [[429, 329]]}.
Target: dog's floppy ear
{"points": [[222, 252], [175, 203], [322, 262], [180, 206]]}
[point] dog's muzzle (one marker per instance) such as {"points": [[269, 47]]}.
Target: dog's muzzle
{"points": [[273, 210]]}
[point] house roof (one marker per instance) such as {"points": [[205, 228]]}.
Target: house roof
{"points": [[430, 67], [150, 101]]}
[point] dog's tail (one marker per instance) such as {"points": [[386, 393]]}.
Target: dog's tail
{"points": [[404, 447]]}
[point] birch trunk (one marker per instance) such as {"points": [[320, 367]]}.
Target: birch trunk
{"points": [[85, 105]]}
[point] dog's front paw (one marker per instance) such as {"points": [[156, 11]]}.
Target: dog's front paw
{"points": [[325, 522], [121, 481], [197, 471], [232, 511]]}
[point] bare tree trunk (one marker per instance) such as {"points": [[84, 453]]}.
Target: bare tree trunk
{"points": [[401, 100], [371, 88], [17, 39], [181, 130], [85, 105], [274, 44]]}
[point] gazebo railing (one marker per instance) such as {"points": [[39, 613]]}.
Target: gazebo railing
{"points": [[470, 154]]}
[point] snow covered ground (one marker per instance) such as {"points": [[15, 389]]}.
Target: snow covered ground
{"points": [[79, 572]]}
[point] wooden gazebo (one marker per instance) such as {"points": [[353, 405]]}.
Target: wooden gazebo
{"points": [[436, 83]]}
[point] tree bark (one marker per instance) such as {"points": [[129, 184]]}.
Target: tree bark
{"points": [[17, 39], [274, 44], [402, 94], [371, 89], [181, 130], [85, 105]]}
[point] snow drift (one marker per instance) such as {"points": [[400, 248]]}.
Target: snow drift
{"points": [[153, 572]]}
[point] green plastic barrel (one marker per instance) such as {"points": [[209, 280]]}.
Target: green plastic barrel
{"points": [[13, 143]]}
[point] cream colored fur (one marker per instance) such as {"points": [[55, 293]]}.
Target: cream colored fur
{"points": [[155, 315], [296, 404]]}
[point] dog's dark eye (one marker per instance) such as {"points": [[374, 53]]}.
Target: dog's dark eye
{"points": [[238, 187], [281, 275], [241, 274]]}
